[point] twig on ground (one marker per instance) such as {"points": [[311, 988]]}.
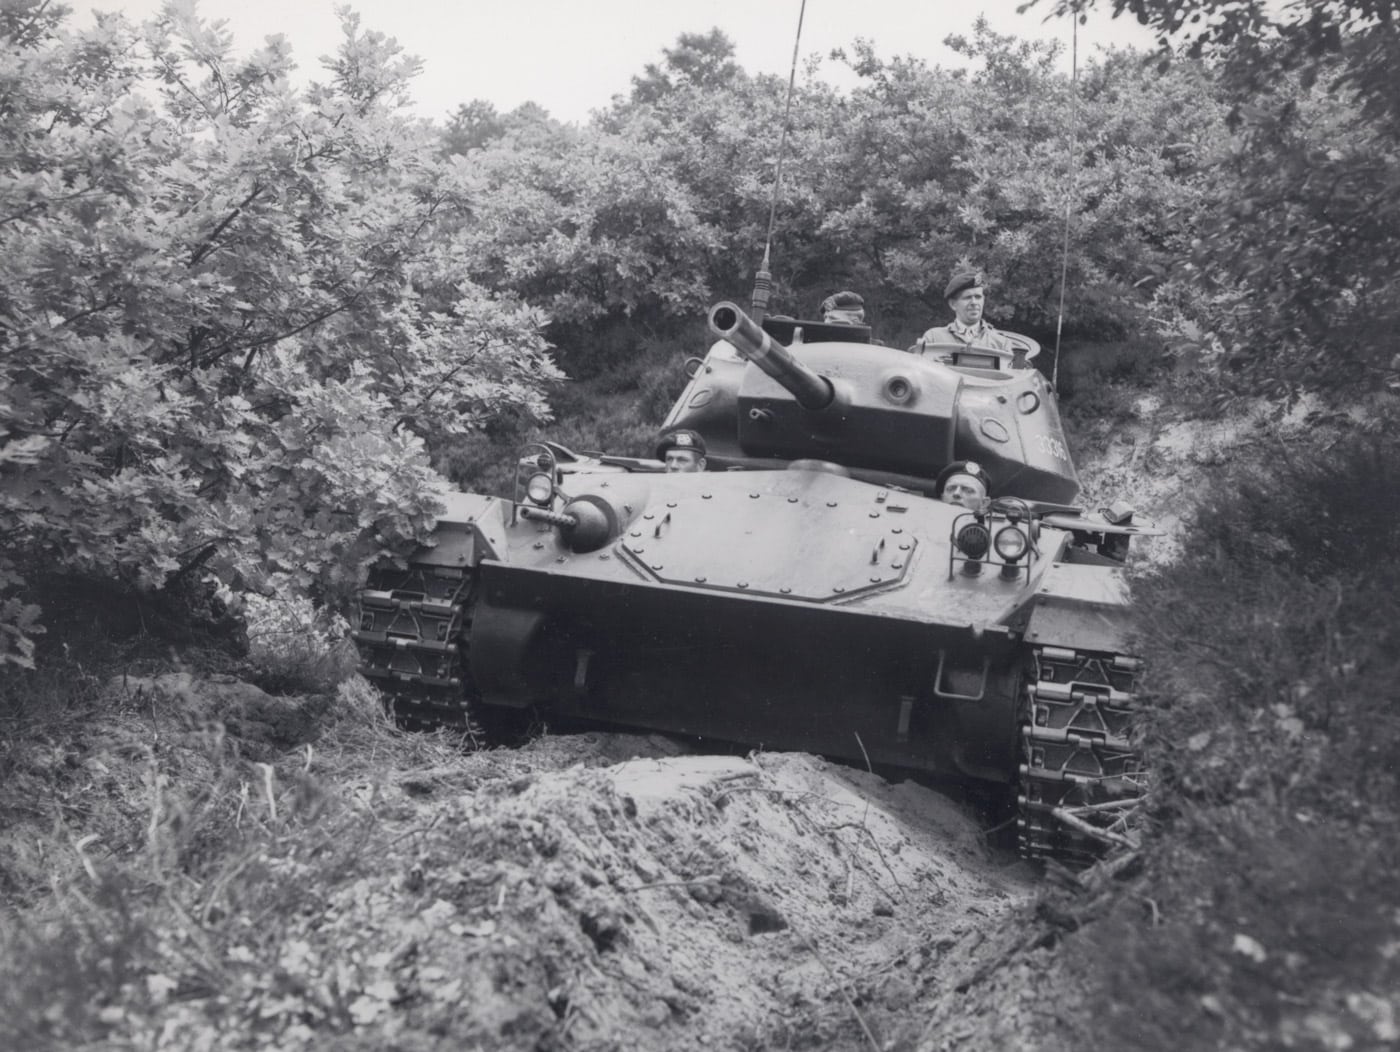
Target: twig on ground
{"points": [[873, 843], [198, 936], [267, 788], [1156, 913], [671, 884], [416, 830], [80, 847], [840, 988], [1087, 829], [223, 882], [153, 826], [872, 774]]}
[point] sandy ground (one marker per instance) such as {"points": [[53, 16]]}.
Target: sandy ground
{"points": [[572, 899]]}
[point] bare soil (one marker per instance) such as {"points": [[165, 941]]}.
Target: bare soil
{"points": [[195, 864], [607, 892]]}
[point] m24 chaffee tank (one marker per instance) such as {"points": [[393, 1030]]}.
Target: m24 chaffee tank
{"points": [[808, 591]]}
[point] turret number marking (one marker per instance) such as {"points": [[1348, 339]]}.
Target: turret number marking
{"points": [[1052, 446]]}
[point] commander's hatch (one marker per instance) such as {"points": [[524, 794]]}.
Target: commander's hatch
{"points": [[788, 331]]}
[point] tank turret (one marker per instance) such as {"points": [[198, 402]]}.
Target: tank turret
{"points": [[790, 390]]}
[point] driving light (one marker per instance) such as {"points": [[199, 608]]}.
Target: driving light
{"points": [[973, 540], [540, 489], [1011, 543]]}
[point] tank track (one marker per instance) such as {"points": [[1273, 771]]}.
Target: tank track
{"points": [[1081, 778], [412, 635]]}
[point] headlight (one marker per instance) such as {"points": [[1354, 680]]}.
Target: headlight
{"points": [[973, 540], [1011, 543], [540, 489]]}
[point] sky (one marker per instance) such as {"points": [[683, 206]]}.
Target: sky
{"points": [[572, 56]]}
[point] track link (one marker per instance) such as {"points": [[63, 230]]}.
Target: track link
{"points": [[413, 631], [1081, 778]]}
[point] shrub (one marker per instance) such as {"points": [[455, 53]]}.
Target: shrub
{"points": [[1274, 646], [294, 645]]}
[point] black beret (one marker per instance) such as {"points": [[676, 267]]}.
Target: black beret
{"points": [[682, 438], [961, 282], [961, 467], [845, 300]]}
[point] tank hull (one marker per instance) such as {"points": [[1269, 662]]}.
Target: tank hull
{"points": [[808, 592], [763, 671]]}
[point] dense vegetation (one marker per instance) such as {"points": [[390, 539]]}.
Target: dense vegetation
{"points": [[246, 330]]}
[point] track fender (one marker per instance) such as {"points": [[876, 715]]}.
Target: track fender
{"points": [[1082, 607]]}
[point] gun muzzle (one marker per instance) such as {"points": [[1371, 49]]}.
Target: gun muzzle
{"points": [[812, 390]]}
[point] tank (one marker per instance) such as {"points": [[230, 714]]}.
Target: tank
{"points": [[808, 591]]}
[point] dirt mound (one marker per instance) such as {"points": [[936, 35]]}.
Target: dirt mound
{"points": [[663, 902]]}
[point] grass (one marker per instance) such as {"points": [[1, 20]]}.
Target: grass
{"points": [[156, 848]]}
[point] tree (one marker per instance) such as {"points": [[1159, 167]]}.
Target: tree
{"points": [[231, 318], [1296, 285], [886, 189], [587, 225], [699, 60], [471, 127]]}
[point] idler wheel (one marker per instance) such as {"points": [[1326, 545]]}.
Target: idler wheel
{"points": [[828, 466]]}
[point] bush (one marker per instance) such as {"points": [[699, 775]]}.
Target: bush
{"points": [[617, 412], [1267, 914], [295, 646]]}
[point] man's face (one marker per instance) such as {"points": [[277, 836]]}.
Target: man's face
{"points": [[684, 460], [965, 491], [844, 317], [967, 306]]}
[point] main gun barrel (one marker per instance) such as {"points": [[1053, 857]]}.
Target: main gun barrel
{"points": [[731, 324]]}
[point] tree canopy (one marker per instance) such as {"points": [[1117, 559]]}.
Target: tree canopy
{"points": [[236, 319], [1295, 279], [228, 317]]}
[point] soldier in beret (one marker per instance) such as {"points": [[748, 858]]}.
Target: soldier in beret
{"points": [[966, 295], [682, 450], [965, 483], [844, 308]]}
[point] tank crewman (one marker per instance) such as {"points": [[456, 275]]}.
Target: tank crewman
{"points": [[963, 482], [682, 450], [966, 296], [844, 308]]}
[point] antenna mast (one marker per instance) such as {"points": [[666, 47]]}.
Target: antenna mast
{"points": [[1069, 197], [763, 280]]}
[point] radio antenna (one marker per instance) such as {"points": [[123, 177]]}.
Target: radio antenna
{"points": [[763, 280], [1069, 198]]}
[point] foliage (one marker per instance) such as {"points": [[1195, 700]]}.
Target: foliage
{"points": [[230, 317], [617, 412], [1274, 648], [296, 646], [586, 226], [661, 204], [1296, 283], [703, 61], [1256, 42], [144, 845], [920, 168]]}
